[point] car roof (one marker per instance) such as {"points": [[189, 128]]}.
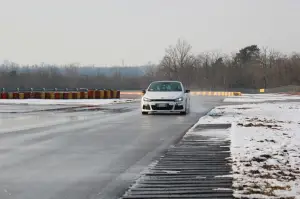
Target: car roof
{"points": [[167, 81]]}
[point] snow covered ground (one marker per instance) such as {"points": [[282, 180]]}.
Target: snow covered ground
{"points": [[265, 147], [252, 98], [65, 102]]}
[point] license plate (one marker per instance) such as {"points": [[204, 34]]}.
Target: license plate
{"points": [[162, 105]]}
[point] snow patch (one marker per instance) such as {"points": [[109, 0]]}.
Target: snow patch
{"points": [[265, 148], [224, 176], [171, 172], [66, 101], [252, 98], [222, 189]]}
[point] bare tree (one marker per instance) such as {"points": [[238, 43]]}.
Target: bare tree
{"points": [[178, 60]]}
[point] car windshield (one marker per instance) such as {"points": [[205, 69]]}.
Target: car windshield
{"points": [[165, 86]]}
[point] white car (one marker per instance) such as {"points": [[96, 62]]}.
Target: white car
{"points": [[165, 97]]}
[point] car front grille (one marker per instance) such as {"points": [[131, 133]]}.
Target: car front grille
{"points": [[163, 100], [168, 107]]}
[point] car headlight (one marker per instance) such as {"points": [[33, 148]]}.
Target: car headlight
{"points": [[146, 99], [180, 99]]}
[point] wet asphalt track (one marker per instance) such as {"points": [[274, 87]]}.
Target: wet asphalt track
{"points": [[75, 154]]}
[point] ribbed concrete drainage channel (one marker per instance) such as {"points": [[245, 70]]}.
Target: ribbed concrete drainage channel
{"points": [[196, 167]]}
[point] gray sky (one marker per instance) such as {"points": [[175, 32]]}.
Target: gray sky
{"points": [[107, 31]]}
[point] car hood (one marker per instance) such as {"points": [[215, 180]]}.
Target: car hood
{"points": [[163, 95]]}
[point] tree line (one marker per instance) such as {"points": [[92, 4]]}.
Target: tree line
{"points": [[249, 68]]}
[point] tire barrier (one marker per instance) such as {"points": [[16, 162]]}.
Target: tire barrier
{"points": [[105, 94], [21, 95], [98, 95], [27, 95], [108, 94], [102, 95], [3, 95], [212, 93], [43, 95], [58, 95], [115, 94], [202, 93], [84, 95], [10, 95], [292, 93], [47, 96], [16, 95], [87, 94], [91, 94]]}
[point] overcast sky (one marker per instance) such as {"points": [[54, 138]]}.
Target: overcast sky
{"points": [[103, 32]]}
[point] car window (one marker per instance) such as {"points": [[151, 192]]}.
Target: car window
{"points": [[165, 86]]}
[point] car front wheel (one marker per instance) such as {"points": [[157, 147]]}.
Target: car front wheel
{"points": [[145, 113], [185, 110], [183, 113]]}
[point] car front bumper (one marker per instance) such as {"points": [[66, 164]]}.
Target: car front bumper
{"points": [[163, 107]]}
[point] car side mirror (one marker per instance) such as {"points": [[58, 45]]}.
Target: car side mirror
{"points": [[143, 91], [187, 91]]}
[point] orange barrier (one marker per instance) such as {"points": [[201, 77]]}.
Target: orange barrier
{"points": [[75, 95], [84, 95], [3, 95], [27, 95], [90, 94], [47, 96], [43, 95], [32, 95], [21, 95], [114, 94], [15, 95], [10, 96], [65, 95], [105, 94], [58, 95], [237, 93], [293, 93], [97, 94], [52, 96], [211, 93], [108, 94], [131, 93], [102, 94], [202, 93], [36, 95]]}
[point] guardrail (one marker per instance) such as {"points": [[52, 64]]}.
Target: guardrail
{"points": [[46, 94]]}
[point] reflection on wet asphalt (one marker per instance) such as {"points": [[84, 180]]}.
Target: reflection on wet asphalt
{"points": [[20, 108], [77, 153], [62, 108]]}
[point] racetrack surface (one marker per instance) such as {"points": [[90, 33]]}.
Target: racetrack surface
{"points": [[85, 154]]}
